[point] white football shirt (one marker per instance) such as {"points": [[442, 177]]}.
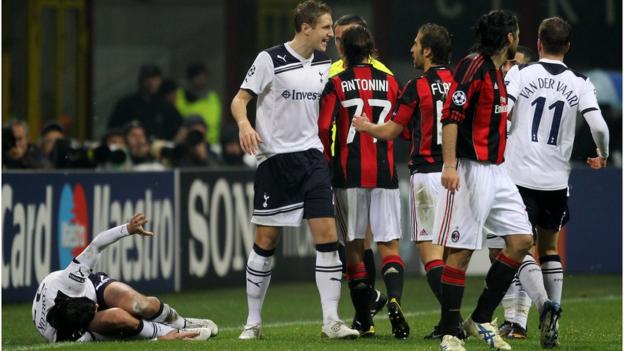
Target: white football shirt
{"points": [[73, 281], [289, 89], [546, 97]]}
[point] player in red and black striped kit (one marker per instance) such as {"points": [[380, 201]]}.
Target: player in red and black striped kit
{"points": [[365, 178], [419, 113], [480, 196]]}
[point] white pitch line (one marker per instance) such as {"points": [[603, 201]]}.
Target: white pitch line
{"points": [[312, 322]]}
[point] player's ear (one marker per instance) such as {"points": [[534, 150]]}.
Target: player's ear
{"points": [[567, 48], [427, 53], [306, 28]]}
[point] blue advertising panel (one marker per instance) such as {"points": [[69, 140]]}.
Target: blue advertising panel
{"points": [[48, 218]]}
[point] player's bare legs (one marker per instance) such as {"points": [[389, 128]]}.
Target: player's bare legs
{"points": [[121, 295], [258, 277], [115, 321], [392, 270], [118, 294], [329, 276]]}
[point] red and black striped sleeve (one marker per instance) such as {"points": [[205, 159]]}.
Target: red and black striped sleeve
{"points": [[407, 103], [466, 83], [327, 113]]}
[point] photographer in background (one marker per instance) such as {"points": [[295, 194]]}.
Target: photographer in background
{"points": [[58, 151], [191, 148], [112, 152], [139, 148], [17, 153]]}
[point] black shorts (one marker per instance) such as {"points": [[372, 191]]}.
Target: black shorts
{"points": [[100, 281], [290, 187], [546, 209]]}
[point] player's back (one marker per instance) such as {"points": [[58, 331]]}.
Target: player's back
{"points": [[420, 109], [548, 96], [71, 281], [361, 160]]}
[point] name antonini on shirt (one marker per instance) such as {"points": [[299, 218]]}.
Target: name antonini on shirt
{"points": [[364, 84]]}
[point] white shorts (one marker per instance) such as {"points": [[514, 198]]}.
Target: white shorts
{"points": [[423, 195], [357, 207], [487, 202], [494, 242]]}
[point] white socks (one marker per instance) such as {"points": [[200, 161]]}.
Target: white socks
{"points": [[553, 276], [532, 282], [259, 269], [167, 315], [328, 279], [151, 330], [516, 303]]}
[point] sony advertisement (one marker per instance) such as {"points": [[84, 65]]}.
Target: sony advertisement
{"points": [[217, 235]]}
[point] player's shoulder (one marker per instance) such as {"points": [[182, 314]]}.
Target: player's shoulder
{"points": [[437, 73], [378, 65], [472, 65], [280, 57], [320, 58], [336, 68]]}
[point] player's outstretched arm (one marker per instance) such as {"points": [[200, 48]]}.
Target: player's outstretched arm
{"points": [[88, 257], [248, 137], [386, 131]]}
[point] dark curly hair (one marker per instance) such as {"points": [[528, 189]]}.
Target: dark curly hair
{"points": [[491, 31], [70, 316], [357, 44]]}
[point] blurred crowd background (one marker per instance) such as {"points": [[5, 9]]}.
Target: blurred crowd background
{"points": [[146, 84]]}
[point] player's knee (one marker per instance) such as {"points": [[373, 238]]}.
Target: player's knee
{"points": [[522, 244], [146, 306]]}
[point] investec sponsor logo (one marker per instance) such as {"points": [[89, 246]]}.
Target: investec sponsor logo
{"points": [[221, 234], [29, 225], [300, 95], [73, 223], [135, 258]]}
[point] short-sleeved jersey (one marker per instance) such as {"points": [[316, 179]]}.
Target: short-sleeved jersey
{"points": [[73, 281], [288, 88], [360, 161], [420, 111], [546, 97], [477, 102]]}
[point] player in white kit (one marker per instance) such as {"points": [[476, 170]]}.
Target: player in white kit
{"points": [[545, 98], [292, 181], [75, 304]]}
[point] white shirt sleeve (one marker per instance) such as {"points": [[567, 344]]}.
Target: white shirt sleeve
{"points": [[512, 84], [260, 74], [588, 106], [587, 98]]}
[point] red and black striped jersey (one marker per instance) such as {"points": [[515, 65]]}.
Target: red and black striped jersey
{"points": [[477, 102], [420, 110], [360, 161]]}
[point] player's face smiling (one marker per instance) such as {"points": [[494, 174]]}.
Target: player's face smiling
{"points": [[322, 32]]}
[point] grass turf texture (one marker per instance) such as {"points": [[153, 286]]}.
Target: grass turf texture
{"points": [[591, 320]]}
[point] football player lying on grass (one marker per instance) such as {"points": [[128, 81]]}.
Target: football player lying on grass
{"points": [[75, 304]]}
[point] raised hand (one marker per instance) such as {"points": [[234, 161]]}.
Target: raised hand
{"points": [[135, 226]]}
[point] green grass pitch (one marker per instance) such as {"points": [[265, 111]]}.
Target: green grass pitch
{"points": [[591, 320]]}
